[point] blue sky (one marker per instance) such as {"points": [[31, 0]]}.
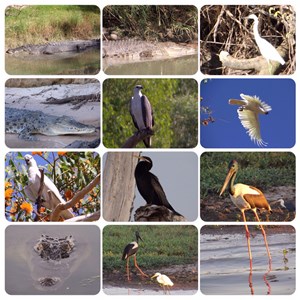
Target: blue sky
{"points": [[277, 128]]}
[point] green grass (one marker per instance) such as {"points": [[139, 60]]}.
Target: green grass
{"points": [[41, 23], [267, 169], [162, 245]]}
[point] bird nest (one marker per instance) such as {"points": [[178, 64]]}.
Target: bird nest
{"points": [[225, 28]]}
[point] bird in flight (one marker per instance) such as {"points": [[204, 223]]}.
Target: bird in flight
{"points": [[141, 112], [250, 108]]}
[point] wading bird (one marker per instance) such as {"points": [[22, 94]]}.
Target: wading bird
{"points": [[50, 194], [246, 197], [149, 186], [268, 51], [250, 107], [141, 113], [163, 280], [131, 250]]}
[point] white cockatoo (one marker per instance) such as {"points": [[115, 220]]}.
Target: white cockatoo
{"points": [[50, 194], [250, 107]]}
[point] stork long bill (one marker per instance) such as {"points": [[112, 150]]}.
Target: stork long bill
{"points": [[229, 175]]}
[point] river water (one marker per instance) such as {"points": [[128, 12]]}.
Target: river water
{"points": [[79, 274], [225, 270]]}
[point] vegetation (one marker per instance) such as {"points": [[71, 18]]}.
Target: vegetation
{"points": [[260, 169], [36, 24], [70, 171], [161, 246], [175, 109], [153, 22], [224, 28]]}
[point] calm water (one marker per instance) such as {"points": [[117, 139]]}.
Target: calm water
{"points": [[225, 265], [87, 62], [80, 273], [186, 65]]}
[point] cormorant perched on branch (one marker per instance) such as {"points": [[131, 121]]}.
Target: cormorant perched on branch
{"points": [[149, 186]]}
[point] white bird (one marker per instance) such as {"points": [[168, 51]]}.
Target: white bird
{"points": [[267, 50], [141, 112], [163, 280], [248, 112], [50, 194]]}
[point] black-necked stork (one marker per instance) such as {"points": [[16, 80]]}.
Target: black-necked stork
{"points": [[149, 186], [141, 112], [131, 250], [246, 197]]}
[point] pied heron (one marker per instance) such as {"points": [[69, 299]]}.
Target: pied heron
{"points": [[246, 197], [141, 112], [163, 280], [131, 250], [149, 186]]}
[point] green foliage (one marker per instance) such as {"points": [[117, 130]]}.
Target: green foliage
{"points": [[70, 172], [161, 246], [260, 169], [36, 23], [153, 22], [174, 103]]}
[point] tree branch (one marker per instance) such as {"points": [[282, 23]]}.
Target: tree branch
{"points": [[138, 137], [76, 198]]}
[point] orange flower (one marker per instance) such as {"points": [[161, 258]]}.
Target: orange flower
{"points": [[7, 184], [27, 207], [61, 153], [37, 152], [8, 193], [68, 194]]}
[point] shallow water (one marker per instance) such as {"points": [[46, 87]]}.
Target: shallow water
{"points": [[112, 290], [23, 267], [224, 265], [87, 62], [186, 65]]}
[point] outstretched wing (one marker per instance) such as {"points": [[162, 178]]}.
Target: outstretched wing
{"points": [[250, 121]]}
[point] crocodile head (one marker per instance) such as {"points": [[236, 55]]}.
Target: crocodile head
{"points": [[66, 125]]}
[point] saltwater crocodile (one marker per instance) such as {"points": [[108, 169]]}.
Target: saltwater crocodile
{"points": [[138, 49], [56, 47], [26, 123], [55, 256]]}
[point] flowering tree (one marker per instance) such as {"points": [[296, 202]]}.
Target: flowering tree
{"points": [[70, 171]]}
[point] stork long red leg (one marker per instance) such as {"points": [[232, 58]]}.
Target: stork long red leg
{"points": [[127, 269], [264, 235], [248, 238], [136, 265]]}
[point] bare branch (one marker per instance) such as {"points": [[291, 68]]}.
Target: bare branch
{"points": [[138, 137]]}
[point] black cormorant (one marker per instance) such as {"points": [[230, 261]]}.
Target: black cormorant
{"points": [[149, 186]]}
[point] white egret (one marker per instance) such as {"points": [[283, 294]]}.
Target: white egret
{"points": [[246, 197], [250, 107], [268, 51], [163, 280]]}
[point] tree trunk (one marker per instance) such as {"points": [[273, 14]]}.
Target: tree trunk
{"points": [[119, 185]]}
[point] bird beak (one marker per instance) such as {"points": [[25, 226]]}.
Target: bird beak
{"points": [[153, 276], [229, 175], [140, 157]]}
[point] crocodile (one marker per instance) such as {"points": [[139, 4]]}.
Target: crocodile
{"points": [[56, 47], [26, 123], [132, 49]]}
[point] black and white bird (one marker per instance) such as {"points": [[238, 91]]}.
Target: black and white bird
{"points": [[50, 194], [141, 112], [131, 250]]}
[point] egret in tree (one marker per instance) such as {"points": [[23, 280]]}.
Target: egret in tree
{"points": [[131, 250], [248, 112], [267, 50], [163, 280], [246, 197]]}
